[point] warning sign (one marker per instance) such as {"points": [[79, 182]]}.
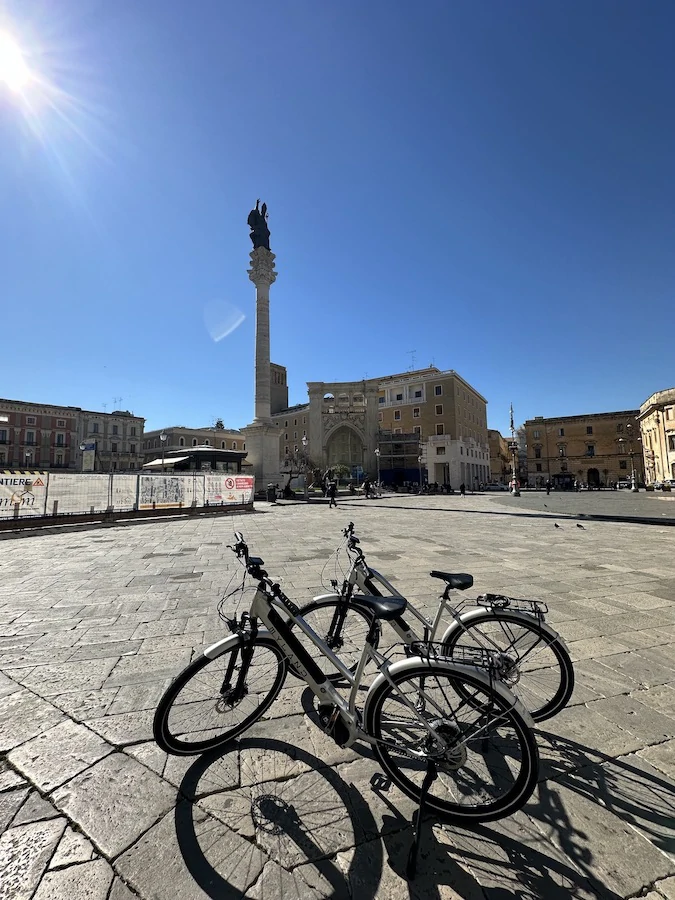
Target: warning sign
{"points": [[25, 491]]}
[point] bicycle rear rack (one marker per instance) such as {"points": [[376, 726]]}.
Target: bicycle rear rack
{"points": [[535, 608], [471, 656]]}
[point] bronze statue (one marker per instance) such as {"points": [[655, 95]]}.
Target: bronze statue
{"points": [[257, 221]]}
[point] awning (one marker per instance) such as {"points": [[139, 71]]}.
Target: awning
{"points": [[169, 461]]}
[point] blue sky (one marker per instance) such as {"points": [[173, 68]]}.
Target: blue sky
{"points": [[488, 184]]}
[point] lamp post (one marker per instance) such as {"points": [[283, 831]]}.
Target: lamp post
{"points": [[83, 447], [633, 481], [304, 454], [513, 447], [29, 456], [163, 438], [419, 461], [377, 457]]}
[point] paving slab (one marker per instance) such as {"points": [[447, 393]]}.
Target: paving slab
{"points": [[24, 854], [73, 848], [84, 881], [10, 803]]}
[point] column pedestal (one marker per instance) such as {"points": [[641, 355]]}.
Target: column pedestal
{"points": [[262, 451]]}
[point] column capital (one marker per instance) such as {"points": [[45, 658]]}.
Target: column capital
{"points": [[262, 267]]}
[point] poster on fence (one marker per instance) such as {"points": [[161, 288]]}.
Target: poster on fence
{"points": [[165, 491], [124, 491], [223, 488], [79, 493], [26, 491]]}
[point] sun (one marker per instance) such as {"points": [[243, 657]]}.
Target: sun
{"points": [[13, 69]]}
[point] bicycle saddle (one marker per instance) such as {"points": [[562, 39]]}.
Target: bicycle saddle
{"points": [[458, 582], [380, 607]]}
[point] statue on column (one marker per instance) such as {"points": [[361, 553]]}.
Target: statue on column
{"points": [[257, 221]]}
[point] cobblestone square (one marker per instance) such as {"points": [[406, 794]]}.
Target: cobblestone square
{"points": [[95, 623]]}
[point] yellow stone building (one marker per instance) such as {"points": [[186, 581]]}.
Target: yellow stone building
{"points": [[657, 428]]}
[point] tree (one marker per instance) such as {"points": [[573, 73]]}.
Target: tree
{"points": [[298, 463], [219, 425], [341, 471]]}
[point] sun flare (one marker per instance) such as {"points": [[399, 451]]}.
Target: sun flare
{"points": [[13, 69]]}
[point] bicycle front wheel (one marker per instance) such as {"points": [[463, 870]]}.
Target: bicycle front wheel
{"points": [[343, 628], [534, 666], [489, 766], [214, 700]]}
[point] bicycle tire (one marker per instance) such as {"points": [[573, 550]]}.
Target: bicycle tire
{"points": [[346, 642], [550, 680], [457, 772], [202, 716]]}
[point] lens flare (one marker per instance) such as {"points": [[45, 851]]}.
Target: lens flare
{"points": [[14, 72], [222, 318]]}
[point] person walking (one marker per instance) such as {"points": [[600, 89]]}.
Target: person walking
{"points": [[366, 488], [548, 487], [332, 491], [462, 489]]}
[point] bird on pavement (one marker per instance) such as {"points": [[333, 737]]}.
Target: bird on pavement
{"points": [[556, 525], [579, 525]]}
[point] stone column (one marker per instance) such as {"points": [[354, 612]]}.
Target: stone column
{"points": [[262, 275]]}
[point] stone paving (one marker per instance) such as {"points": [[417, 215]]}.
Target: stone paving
{"points": [[94, 623]]}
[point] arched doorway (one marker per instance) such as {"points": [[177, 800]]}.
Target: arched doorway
{"points": [[593, 479], [344, 448]]}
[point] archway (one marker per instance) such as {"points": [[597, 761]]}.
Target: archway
{"points": [[593, 479], [344, 448]]}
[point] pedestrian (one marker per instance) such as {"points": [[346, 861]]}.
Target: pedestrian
{"points": [[548, 487], [462, 489], [366, 488], [332, 491]]}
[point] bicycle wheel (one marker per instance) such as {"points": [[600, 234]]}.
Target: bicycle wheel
{"points": [[534, 666], [490, 766], [214, 700], [341, 626]]}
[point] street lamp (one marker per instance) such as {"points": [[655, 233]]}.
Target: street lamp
{"points": [[633, 481], [83, 447], [304, 453], [377, 457], [513, 447], [419, 461], [163, 438]]}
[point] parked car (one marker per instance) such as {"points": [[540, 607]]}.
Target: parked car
{"points": [[623, 484], [657, 485], [495, 487]]}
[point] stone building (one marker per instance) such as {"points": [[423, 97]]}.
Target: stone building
{"points": [[592, 449], [657, 429], [47, 437], [500, 457], [179, 437]]}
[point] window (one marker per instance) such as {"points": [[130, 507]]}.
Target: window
{"points": [[590, 450], [114, 431], [3, 456], [439, 429], [439, 409], [589, 429], [286, 449], [295, 435], [113, 448], [60, 440], [243, 446], [206, 442], [416, 412], [399, 396], [398, 431], [380, 417], [60, 423], [30, 420], [234, 445], [671, 441], [222, 445], [619, 429], [304, 420], [561, 432], [397, 415], [562, 451], [438, 390], [59, 459], [94, 427], [417, 430], [380, 399], [461, 451], [538, 467], [295, 449], [181, 442], [285, 435], [623, 463], [30, 437], [418, 394], [440, 451], [535, 434], [132, 431], [669, 413], [132, 448], [3, 435], [537, 452], [194, 442]]}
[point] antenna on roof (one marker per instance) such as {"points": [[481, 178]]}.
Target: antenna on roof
{"points": [[105, 407], [412, 353], [117, 400]]}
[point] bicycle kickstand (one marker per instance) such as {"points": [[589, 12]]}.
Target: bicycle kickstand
{"points": [[429, 778]]}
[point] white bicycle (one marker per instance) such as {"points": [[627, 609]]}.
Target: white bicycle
{"points": [[532, 659], [447, 732]]}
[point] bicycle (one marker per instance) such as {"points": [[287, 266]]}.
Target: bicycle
{"points": [[533, 660], [447, 732]]}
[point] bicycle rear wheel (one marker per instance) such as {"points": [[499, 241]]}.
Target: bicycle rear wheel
{"points": [[490, 765], [535, 667], [214, 700]]}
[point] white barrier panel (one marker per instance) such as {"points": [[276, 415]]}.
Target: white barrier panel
{"points": [[165, 491], [28, 489], [77, 493], [124, 491], [234, 489]]}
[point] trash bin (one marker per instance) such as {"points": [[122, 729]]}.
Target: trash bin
{"points": [[271, 494]]}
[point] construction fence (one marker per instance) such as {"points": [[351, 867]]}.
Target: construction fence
{"points": [[33, 494]]}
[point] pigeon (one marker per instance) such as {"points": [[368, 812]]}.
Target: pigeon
{"points": [[556, 525], [579, 525]]}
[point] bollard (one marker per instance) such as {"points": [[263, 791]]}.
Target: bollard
{"points": [[55, 508], [16, 510], [91, 510]]}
